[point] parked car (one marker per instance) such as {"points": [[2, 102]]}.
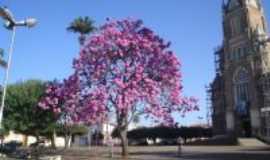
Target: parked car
{"points": [[168, 142], [137, 142], [10, 147]]}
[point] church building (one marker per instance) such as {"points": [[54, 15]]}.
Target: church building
{"points": [[240, 92]]}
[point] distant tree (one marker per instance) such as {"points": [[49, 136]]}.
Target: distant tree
{"points": [[164, 132], [115, 133], [3, 132], [83, 26], [21, 113], [61, 98], [136, 119], [74, 130]]}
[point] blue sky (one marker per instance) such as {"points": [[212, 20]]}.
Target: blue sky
{"points": [[46, 52]]}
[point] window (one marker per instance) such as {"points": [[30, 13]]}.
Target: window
{"points": [[236, 26], [233, 4], [246, 52], [238, 53], [241, 81], [232, 55], [241, 76]]}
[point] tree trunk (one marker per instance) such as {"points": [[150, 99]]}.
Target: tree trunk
{"points": [[124, 142], [67, 141], [53, 138], [25, 140], [82, 39], [2, 141], [185, 140], [89, 137], [155, 141], [37, 139]]}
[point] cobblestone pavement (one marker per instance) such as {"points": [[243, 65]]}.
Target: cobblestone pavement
{"points": [[170, 153]]}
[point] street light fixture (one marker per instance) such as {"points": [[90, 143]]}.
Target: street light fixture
{"points": [[11, 24], [29, 22], [6, 14]]}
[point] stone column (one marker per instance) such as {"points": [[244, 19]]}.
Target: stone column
{"points": [[230, 121], [255, 121]]}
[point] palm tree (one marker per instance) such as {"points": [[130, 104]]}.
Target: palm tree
{"points": [[83, 26]]}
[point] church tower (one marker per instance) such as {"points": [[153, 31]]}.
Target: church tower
{"points": [[245, 57]]}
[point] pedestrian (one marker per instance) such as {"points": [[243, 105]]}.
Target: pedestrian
{"points": [[180, 143]]}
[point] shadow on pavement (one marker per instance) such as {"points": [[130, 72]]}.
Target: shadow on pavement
{"points": [[226, 156], [207, 156]]}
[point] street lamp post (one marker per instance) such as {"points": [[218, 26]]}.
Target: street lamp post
{"points": [[2, 61], [11, 24]]}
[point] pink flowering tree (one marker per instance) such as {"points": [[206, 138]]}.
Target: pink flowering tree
{"points": [[62, 99], [71, 106], [127, 70]]}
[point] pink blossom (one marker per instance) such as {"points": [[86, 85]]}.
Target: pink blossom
{"points": [[122, 68], [131, 64]]}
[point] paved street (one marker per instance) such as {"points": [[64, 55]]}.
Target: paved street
{"points": [[170, 153]]}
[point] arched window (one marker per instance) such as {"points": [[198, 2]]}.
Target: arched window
{"points": [[241, 94], [233, 4], [241, 76]]}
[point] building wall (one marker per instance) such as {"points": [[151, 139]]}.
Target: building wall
{"points": [[105, 129], [12, 136], [244, 31]]}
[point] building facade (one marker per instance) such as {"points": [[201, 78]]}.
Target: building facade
{"points": [[105, 129], [241, 89]]}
